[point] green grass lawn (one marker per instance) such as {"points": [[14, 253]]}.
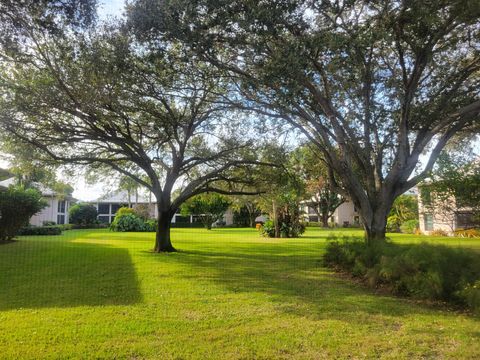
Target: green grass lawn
{"points": [[227, 294]]}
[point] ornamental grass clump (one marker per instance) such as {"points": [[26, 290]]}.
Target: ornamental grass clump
{"points": [[424, 271]]}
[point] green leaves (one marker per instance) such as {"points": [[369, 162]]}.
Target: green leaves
{"points": [[17, 206], [210, 207]]}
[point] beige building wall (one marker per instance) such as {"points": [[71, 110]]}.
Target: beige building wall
{"points": [[437, 216]]}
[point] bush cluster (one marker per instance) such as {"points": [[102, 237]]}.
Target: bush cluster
{"points": [[286, 230], [126, 219], [41, 230], [17, 206], [409, 227], [424, 271], [83, 214]]}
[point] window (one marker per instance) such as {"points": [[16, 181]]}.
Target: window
{"points": [[428, 222], [104, 219], [60, 219], [115, 208], [426, 196], [466, 219], [104, 209], [356, 220], [61, 207], [182, 219]]}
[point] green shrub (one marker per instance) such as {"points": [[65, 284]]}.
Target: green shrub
{"points": [[41, 230], [286, 231], [393, 223], [96, 225], [66, 226], [83, 214], [127, 222], [268, 229], [422, 271], [17, 206], [49, 223], [471, 296], [291, 229], [150, 225], [125, 211], [409, 227]]}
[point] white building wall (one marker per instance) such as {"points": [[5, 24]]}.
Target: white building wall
{"points": [[47, 214], [346, 213], [228, 217], [50, 212]]}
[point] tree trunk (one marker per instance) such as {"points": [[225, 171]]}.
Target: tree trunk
{"points": [[251, 216], [376, 229], [276, 220], [325, 220], [162, 240]]}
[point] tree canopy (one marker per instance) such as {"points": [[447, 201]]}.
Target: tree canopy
{"points": [[209, 207], [373, 84], [98, 98]]}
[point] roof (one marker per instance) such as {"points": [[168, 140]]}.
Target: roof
{"points": [[7, 183], [46, 191], [121, 197]]}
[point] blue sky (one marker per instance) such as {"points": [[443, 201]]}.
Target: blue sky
{"points": [[110, 7]]}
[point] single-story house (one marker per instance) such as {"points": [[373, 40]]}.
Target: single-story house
{"points": [[57, 208], [108, 205]]}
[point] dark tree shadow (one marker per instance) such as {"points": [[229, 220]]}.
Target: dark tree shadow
{"points": [[55, 273], [297, 282]]}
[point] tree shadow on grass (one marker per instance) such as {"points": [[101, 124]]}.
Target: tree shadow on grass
{"points": [[297, 283], [55, 273]]}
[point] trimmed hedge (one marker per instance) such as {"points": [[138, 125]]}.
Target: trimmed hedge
{"points": [[86, 226], [187, 225], [425, 271], [41, 230]]}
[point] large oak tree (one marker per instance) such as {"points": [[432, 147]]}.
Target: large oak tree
{"points": [[98, 98], [373, 84]]}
